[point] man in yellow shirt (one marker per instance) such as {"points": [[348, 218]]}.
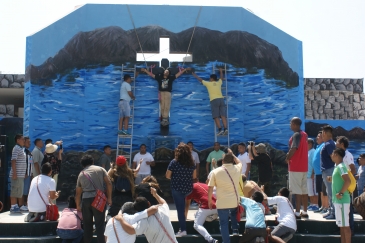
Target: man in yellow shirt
{"points": [[226, 179], [217, 104]]}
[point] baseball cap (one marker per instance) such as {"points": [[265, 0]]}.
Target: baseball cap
{"points": [[121, 161]]}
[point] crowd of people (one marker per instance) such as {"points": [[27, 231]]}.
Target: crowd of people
{"points": [[319, 173]]}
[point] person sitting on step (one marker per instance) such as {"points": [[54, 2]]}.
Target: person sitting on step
{"points": [[132, 212], [287, 226], [255, 227], [217, 104]]}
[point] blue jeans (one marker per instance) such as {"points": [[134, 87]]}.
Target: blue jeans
{"points": [[74, 235], [179, 199], [328, 184], [224, 215]]}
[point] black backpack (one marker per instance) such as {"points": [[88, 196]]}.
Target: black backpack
{"points": [[122, 184]]}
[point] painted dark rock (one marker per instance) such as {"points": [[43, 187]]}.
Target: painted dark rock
{"points": [[312, 129], [113, 45]]}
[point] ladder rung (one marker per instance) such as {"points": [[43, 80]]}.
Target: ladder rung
{"points": [[124, 136], [124, 146]]}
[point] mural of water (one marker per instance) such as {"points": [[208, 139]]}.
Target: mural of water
{"points": [[81, 108]]}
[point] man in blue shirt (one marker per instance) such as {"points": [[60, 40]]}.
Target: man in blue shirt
{"points": [[327, 166], [316, 163], [255, 218]]}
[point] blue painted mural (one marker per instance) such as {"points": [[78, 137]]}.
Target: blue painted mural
{"points": [[74, 70]]}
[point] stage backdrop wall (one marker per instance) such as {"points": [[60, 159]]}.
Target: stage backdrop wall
{"points": [[73, 75]]}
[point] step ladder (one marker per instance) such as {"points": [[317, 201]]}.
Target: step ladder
{"points": [[225, 95], [125, 142]]}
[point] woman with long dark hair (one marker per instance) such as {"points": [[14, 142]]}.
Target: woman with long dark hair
{"points": [[182, 173], [122, 178]]}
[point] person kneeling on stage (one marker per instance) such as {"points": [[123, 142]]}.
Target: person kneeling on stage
{"points": [[286, 218], [200, 195], [255, 218], [42, 189]]}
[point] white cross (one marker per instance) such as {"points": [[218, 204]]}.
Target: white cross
{"points": [[164, 53]]}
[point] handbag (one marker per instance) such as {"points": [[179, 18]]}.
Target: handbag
{"points": [[212, 217], [100, 198], [239, 207], [51, 209]]}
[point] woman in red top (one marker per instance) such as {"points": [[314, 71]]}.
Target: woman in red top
{"points": [[69, 225]]}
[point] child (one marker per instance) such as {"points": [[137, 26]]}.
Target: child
{"points": [[311, 178], [340, 195]]}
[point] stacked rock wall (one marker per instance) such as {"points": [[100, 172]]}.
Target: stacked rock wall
{"points": [[334, 99], [10, 81]]}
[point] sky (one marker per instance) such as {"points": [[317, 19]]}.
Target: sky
{"points": [[332, 32]]}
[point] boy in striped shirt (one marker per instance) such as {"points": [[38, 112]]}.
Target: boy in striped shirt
{"points": [[340, 195]]}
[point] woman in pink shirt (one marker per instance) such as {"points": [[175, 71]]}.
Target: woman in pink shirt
{"points": [[69, 225]]}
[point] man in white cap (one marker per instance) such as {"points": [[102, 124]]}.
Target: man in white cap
{"points": [[49, 157]]}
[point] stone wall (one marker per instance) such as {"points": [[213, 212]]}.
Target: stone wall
{"points": [[6, 110], [12, 80], [339, 99]]}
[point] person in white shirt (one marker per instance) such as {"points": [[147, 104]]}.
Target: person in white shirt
{"points": [[131, 216], [343, 143], [287, 222], [147, 162], [47, 190], [126, 95], [245, 159], [195, 157], [156, 228]]}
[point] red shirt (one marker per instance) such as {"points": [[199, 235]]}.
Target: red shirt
{"points": [[200, 195], [299, 161]]}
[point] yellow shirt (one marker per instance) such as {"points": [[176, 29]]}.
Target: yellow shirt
{"points": [[214, 89], [226, 196]]}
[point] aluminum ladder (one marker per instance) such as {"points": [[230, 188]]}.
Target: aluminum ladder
{"points": [[125, 142]]}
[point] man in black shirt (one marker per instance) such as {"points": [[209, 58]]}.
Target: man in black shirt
{"points": [[165, 87], [263, 160]]}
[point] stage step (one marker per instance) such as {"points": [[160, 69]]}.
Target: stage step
{"points": [[298, 238], [49, 228]]}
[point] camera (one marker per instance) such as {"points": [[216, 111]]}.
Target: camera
{"points": [[250, 143]]}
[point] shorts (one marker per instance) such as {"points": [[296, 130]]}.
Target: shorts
{"points": [[324, 189], [319, 183], [342, 211], [124, 109], [283, 232], [298, 183], [218, 108], [311, 185], [27, 185], [17, 187]]}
